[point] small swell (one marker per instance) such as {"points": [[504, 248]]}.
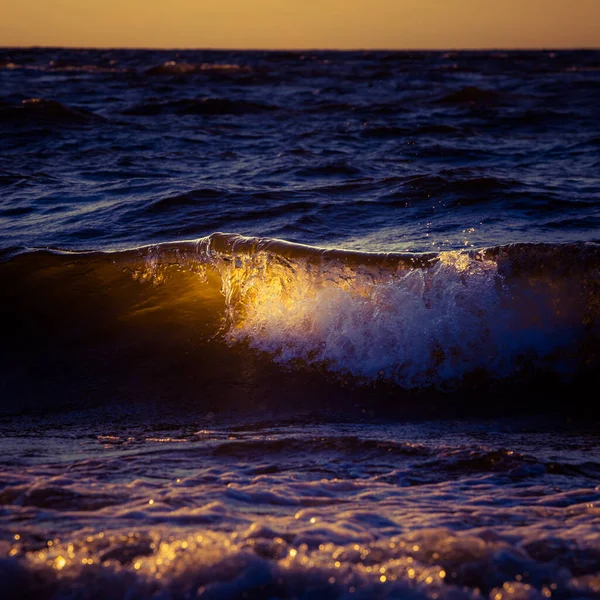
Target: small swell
{"points": [[344, 444], [473, 95], [16, 211], [387, 131], [333, 168], [536, 117], [39, 110], [60, 66], [202, 106], [172, 67], [192, 198], [482, 460], [56, 498], [462, 185], [438, 130]]}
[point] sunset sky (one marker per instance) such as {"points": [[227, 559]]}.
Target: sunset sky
{"points": [[394, 24]]}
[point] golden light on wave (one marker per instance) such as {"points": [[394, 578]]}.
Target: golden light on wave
{"points": [[419, 24]]}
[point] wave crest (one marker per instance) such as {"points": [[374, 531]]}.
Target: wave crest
{"points": [[231, 321], [416, 320]]}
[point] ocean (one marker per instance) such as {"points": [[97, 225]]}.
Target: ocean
{"points": [[299, 324]]}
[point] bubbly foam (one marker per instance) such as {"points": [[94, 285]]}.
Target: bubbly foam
{"points": [[429, 324], [135, 511]]}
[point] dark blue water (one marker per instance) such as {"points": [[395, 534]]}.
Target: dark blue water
{"points": [[371, 151], [299, 324]]}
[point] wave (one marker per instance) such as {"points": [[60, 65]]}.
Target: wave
{"points": [[201, 106], [58, 66], [338, 167], [474, 95], [233, 321], [459, 182], [387, 131], [43, 111], [172, 67]]}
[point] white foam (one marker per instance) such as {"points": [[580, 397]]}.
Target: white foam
{"points": [[418, 327]]}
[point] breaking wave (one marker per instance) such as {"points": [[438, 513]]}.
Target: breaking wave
{"points": [[439, 321]]}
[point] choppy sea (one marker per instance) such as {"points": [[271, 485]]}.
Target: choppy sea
{"points": [[299, 325]]}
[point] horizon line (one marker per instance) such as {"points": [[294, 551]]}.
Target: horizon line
{"points": [[311, 49]]}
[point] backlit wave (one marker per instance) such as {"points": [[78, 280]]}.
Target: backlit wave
{"points": [[419, 320], [226, 308]]}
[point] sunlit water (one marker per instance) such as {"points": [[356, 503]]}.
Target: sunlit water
{"points": [[264, 509], [399, 404]]}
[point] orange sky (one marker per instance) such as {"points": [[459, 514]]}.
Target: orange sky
{"points": [[414, 24]]}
